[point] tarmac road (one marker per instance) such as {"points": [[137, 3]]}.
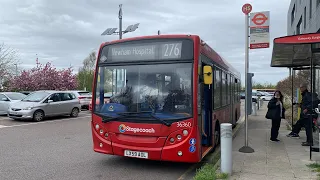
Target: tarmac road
{"points": [[62, 149]]}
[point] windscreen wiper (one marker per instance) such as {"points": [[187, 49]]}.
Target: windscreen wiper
{"points": [[109, 118], [129, 114]]}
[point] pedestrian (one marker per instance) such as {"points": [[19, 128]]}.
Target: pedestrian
{"points": [[308, 100], [275, 112]]}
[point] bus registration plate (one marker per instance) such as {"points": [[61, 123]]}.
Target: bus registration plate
{"points": [[136, 154]]}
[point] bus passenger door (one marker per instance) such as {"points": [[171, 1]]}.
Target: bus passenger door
{"points": [[206, 103]]}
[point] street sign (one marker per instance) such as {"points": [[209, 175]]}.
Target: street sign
{"points": [[246, 8], [259, 30], [259, 19]]}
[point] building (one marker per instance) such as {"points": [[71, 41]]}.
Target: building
{"points": [[303, 17]]}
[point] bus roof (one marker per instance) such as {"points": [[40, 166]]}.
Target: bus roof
{"points": [[150, 37], [206, 49]]}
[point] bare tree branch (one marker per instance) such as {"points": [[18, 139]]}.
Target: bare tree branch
{"points": [[8, 59]]}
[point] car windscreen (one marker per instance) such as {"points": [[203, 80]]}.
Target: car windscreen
{"points": [[16, 96], [36, 97]]}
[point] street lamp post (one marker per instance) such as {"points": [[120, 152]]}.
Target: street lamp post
{"points": [[16, 69], [130, 28]]}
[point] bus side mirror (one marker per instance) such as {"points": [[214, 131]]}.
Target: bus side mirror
{"points": [[207, 75]]}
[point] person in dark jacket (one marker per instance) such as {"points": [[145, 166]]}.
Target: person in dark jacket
{"points": [[276, 112], [308, 100]]}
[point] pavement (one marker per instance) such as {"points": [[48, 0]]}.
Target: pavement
{"points": [[282, 160]]}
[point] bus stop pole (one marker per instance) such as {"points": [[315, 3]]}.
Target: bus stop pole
{"points": [[291, 74], [246, 148]]}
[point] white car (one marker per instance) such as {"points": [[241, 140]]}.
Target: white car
{"points": [[7, 98], [266, 96], [84, 98]]}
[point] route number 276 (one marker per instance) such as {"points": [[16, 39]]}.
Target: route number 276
{"points": [[172, 49]]}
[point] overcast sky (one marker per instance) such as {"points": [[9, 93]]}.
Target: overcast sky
{"points": [[65, 32]]}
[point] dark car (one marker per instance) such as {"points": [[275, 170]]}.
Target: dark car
{"points": [[26, 92], [242, 95]]}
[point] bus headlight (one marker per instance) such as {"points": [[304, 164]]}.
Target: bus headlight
{"points": [[101, 131], [97, 126], [185, 132], [179, 153], [179, 137], [171, 140]]}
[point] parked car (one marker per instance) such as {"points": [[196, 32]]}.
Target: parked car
{"points": [[41, 104], [107, 97], [26, 92], [84, 97], [266, 96], [6, 98], [243, 95]]}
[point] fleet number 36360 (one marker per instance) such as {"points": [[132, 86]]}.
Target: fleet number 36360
{"points": [[184, 124]]}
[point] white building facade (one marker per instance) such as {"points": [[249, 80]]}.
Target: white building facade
{"points": [[303, 17]]}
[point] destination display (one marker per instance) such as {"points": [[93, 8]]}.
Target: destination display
{"points": [[147, 51]]}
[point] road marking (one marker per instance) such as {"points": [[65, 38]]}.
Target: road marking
{"points": [[194, 166], [18, 125]]}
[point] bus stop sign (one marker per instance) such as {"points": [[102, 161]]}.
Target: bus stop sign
{"points": [[246, 8]]}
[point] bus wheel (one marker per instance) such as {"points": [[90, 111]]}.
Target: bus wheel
{"points": [[217, 135], [235, 121]]}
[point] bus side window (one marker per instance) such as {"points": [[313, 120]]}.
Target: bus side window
{"points": [[217, 88]]}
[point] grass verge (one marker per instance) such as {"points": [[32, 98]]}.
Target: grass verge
{"points": [[315, 167], [209, 171]]}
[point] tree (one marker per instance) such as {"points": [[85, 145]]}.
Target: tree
{"points": [[285, 86], [43, 77], [8, 59], [266, 85], [86, 73]]}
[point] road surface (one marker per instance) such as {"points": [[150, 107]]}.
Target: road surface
{"points": [[62, 149]]}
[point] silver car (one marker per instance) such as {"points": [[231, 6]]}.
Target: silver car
{"points": [[6, 98], [40, 104]]}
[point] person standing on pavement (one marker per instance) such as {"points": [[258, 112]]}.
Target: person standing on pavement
{"points": [[304, 120], [276, 112]]}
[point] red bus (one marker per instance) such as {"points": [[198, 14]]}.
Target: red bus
{"points": [[170, 93]]}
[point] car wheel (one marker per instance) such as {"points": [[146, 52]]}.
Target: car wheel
{"points": [[38, 116], [74, 112]]}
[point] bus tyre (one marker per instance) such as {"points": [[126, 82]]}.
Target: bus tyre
{"points": [[217, 135], [235, 121], [74, 112], [38, 115]]}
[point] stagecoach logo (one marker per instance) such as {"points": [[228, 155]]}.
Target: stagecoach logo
{"points": [[123, 128], [110, 108]]}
